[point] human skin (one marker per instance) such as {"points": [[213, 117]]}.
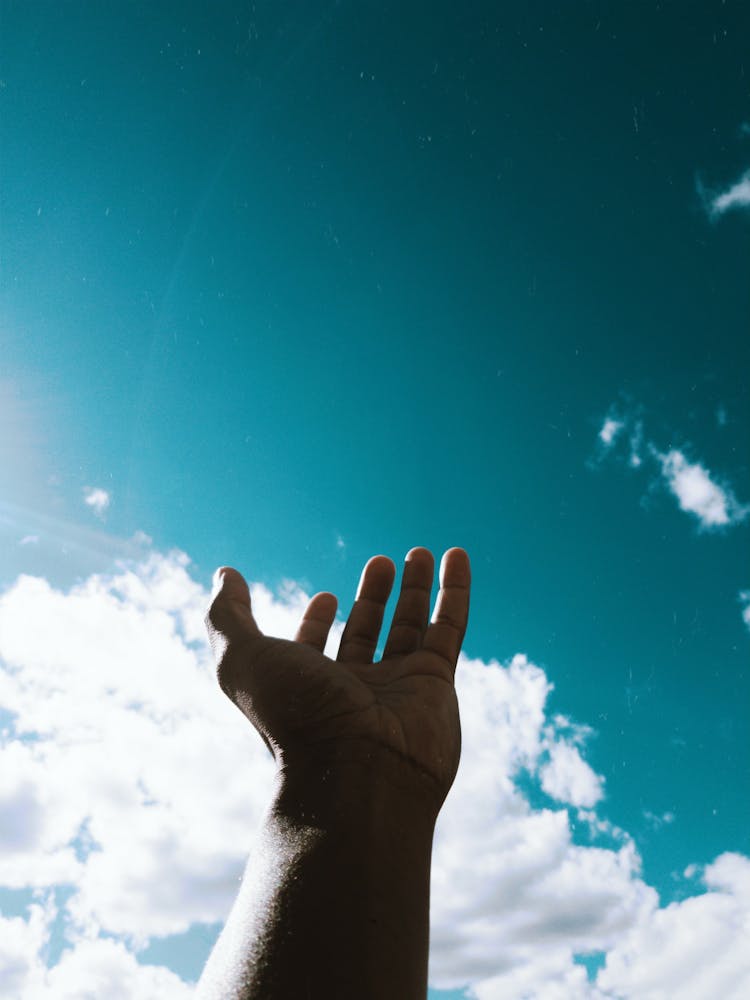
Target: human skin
{"points": [[334, 902]]}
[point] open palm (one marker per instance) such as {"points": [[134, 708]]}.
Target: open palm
{"points": [[303, 703]]}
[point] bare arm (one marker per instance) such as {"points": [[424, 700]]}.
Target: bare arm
{"points": [[335, 898]]}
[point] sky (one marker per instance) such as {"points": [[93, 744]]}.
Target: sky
{"points": [[284, 286]]}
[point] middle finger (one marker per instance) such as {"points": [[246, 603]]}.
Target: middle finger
{"points": [[360, 636]]}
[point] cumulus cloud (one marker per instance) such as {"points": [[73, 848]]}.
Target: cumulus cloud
{"points": [[119, 781], [698, 493], [568, 778], [118, 772], [92, 967], [118, 693], [514, 898], [693, 949], [97, 499]]}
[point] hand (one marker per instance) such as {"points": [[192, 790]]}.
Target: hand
{"points": [[308, 706]]}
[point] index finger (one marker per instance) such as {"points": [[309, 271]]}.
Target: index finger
{"points": [[447, 627]]}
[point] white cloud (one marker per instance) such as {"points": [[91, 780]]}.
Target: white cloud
{"points": [[609, 430], [693, 949], [696, 490], [21, 943], [92, 967], [553, 976], [568, 778], [636, 445], [96, 498], [744, 597], [119, 692], [116, 714], [29, 540], [736, 196], [655, 821], [113, 782], [513, 897], [621, 424], [698, 494]]}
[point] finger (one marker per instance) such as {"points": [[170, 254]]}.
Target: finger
{"points": [[229, 616], [361, 631], [317, 620], [447, 627], [413, 607]]}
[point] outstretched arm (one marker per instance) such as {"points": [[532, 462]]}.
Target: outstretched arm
{"points": [[335, 899]]}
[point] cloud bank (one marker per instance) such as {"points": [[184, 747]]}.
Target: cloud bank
{"points": [[119, 784]]}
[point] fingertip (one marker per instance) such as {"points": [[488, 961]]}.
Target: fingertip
{"points": [[223, 571], [419, 552], [381, 565], [456, 552], [231, 583], [317, 620], [327, 602], [377, 578], [455, 565], [230, 608]]}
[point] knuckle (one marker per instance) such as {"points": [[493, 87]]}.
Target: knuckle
{"points": [[450, 622], [359, 639], [403, 623]]}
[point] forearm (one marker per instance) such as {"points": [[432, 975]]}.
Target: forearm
{"points": [[335, 899]]}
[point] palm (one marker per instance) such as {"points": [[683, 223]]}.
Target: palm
{"points": [[299, 699]]}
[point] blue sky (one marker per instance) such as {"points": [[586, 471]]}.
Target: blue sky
{"points": [[287, 286]]}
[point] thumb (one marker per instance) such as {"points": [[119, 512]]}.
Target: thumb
{"points": [[230, 614]]}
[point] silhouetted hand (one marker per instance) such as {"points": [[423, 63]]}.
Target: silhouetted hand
{"points": [[307, 706]]}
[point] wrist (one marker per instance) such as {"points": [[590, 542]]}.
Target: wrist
{"points": [[356, 783], [335, 899]]}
